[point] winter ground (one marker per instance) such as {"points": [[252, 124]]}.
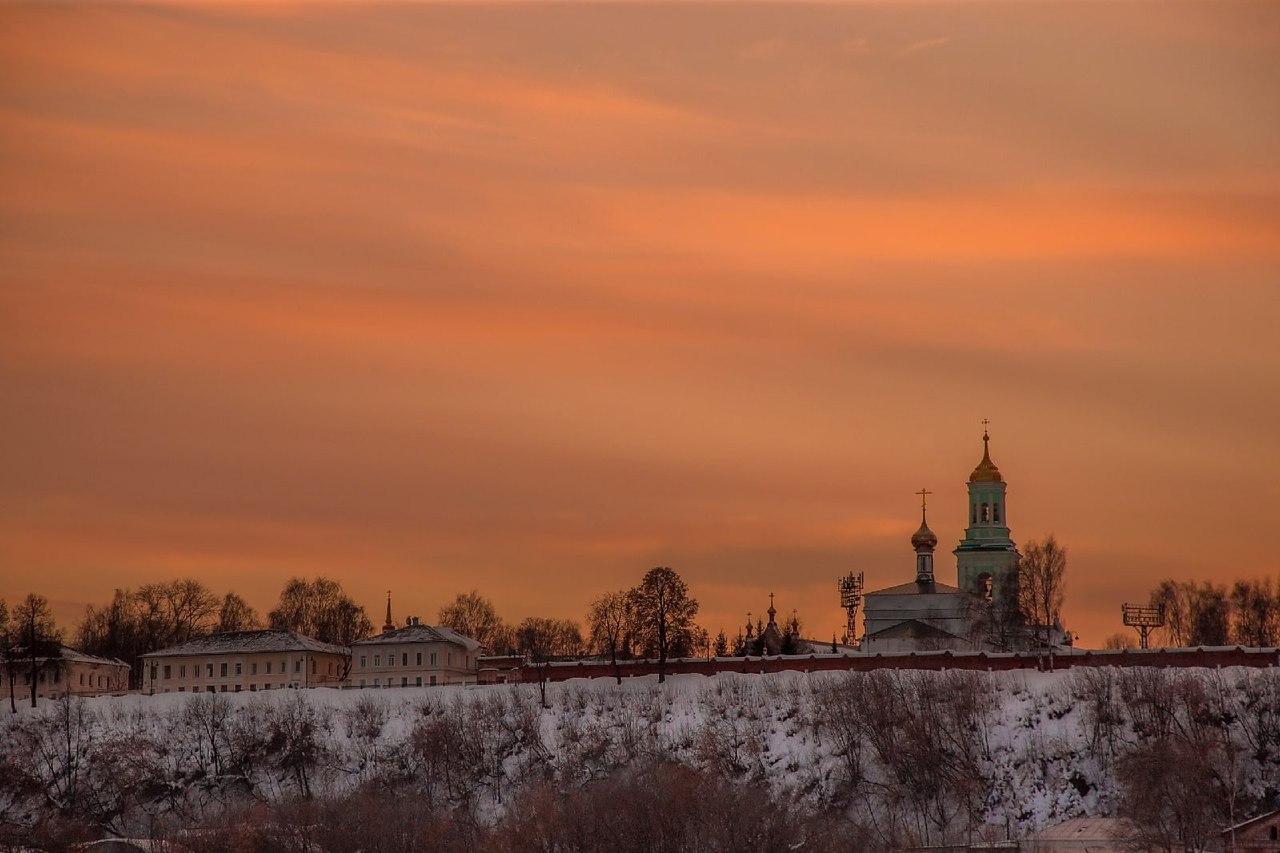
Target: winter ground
{"points": [[907, 756]]}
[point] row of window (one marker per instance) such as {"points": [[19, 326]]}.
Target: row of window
{"points": [[404, 682], [167, 670], [235, 688], [404, 659], [54, 676]]}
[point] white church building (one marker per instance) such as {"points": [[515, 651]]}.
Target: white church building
{"points": [[927, 615]]}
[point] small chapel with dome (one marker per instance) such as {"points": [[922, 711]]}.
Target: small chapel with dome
{"points": [[925, 614]]}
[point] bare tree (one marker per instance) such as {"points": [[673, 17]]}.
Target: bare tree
{"points": [[8, 644], [237, 615], [190, 607], [664, 614], [1174, 597], [611, 617], [541, 639], [473, 615], [1210, 616], [1256, 609], [39, 638], [1118, 641], [1042, 573], [320, 609], [1163, 785], [1195, 614]]}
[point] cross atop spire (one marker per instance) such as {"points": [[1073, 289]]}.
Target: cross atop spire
{"points": [[772, 610], [390, 626], [924, 494]]}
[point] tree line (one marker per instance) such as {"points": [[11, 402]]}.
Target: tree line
{"points": [[1204, 613], [654, 619]]}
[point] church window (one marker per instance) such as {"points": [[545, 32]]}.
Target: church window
{"points": [[995, 512], [986, 512], [973, 513]]}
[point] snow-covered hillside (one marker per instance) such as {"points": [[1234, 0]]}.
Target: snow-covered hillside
{"points": [[898, 757]]}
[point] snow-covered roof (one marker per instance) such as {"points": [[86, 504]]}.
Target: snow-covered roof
{"points": [[246, 642], [70, 654], [421, 634], [73, 656]]}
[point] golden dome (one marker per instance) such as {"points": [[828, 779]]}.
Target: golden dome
{"points": [[986, 472], [924, 537]]}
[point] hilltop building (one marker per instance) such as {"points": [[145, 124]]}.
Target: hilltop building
{"points": [[245, 660], [771, 639], [416, 655], [70, 673], [976, 614]]}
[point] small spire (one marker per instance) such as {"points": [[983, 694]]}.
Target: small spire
{"points": [[986, 470], [924, 494], [772, 610], [389, 626]]}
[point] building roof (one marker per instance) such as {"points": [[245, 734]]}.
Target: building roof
{"points": [[912, 629], [70, 654], [913, 588], [1082, 829], [1262, 818], [248, 642], [986, 472], [421, 634], [74, 656]]}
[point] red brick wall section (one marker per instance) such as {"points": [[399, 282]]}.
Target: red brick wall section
{"points": [[1043, 662]]}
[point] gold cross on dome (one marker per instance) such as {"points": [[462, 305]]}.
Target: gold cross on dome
{"points": [[924, 494]]}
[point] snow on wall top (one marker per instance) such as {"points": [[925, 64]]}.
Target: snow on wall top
{"points": [[421, 634], [242, 642]]}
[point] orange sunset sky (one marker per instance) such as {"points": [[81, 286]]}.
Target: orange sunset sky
{"points": [[532, 298]]}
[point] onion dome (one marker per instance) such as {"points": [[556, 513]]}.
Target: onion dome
{"points": [[986, 472], [924, 537]]}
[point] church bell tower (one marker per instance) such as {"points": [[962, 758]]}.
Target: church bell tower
{"points": [[986, 559]]}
